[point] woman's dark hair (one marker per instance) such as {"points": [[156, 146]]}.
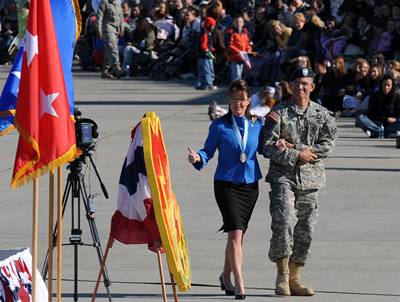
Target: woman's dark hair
{"points": [[238, 85], [386, 77], [379, 58], [394, 88], [146, 26]]}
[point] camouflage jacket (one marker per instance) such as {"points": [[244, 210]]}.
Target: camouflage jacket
{"points": [[314, 128], [109, 17]]}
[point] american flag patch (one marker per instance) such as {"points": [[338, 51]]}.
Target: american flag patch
{"points": [[274, 116]]}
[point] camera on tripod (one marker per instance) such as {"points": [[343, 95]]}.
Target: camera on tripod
{"points": [[86, 130]]}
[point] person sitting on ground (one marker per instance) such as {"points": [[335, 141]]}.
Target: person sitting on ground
{"points": [[357, 89], [215, 111], [299, 37], [378, 59], [363, 33], [300, 6], [141, 43], [260, 27], [393, 67], [375, 75], [336, 83], [192, 24], [262, 102], [165, 24], [284, 92], [383, 110], [321, 81], [279, 34]]}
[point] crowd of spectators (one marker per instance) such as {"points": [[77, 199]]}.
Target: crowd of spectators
{"points": [[351, 45], [8, 29]]}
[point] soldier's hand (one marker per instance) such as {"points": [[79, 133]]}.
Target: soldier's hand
{"points": [[193, 157], [307, 155], [282, 144]]}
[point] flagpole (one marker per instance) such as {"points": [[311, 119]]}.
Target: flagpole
{"points": [[35, 235], [103, 264], [59, 233], [51, 243], [161, 275]]}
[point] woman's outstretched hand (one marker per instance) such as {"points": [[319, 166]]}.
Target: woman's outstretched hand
{"points": [[193, 157]]}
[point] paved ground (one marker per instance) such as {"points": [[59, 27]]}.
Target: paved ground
{"points": [[355, 254]]}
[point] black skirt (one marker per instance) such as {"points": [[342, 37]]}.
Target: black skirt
{"points": [[236, 203]]}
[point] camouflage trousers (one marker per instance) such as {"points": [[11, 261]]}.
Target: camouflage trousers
{"points": [[111, 56], [293, 212]]}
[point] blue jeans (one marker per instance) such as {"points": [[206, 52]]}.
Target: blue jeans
{"points": [[129, 54], [392, 128], [366, 123], [205, 68], [236, 70]]}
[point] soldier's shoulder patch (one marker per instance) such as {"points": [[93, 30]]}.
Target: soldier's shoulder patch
{"points": [[274, 116]]}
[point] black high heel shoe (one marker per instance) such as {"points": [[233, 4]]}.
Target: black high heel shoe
{"points": [[239, 296], [227, 291]]}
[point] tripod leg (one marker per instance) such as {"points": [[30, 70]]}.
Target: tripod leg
{"points": [[161, 276], [95, 236], [75, 272], [109, 245]]}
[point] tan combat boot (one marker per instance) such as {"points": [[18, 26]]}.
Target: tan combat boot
{"points": [[282, 277], [117, 71], [296, 287], [106, 74]]}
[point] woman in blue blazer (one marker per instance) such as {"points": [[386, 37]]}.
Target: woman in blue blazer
{"points": [[237, 138]]}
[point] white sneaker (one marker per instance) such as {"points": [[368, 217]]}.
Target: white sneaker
{"points": [[368, 133], [153, 55], [212, 87]]}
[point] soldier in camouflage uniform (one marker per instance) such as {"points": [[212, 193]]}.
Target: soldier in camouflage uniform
{"points": [[109, 26], [297, 136]]}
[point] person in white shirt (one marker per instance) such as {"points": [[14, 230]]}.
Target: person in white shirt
{"points": [[262, 102]]}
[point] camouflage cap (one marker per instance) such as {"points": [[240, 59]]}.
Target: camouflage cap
{"points": [[302, 73]]}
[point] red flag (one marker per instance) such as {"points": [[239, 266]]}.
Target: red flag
{"points": [[47, 133]]}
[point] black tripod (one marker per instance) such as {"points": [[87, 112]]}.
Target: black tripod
{"points": [[76, 185]]}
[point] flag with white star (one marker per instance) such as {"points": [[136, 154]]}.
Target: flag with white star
{"points": [[68, 24], [43, 120]]}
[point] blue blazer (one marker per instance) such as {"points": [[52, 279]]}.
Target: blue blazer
{"points": [[221, 136]]}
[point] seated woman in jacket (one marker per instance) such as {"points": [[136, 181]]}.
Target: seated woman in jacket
{"points": [[141, 43], [383, 111]]}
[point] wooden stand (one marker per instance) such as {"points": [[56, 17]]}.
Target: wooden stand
{"points": [[173, 287], [35, 220], [59, 233], [160, 267], [96, 287], [50, 248]]}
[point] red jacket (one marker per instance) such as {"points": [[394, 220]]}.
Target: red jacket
{"points": [[206, 44], [237, 42]]}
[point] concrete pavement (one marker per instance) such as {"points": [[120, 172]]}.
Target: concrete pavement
{"points": [[355, 253]]}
